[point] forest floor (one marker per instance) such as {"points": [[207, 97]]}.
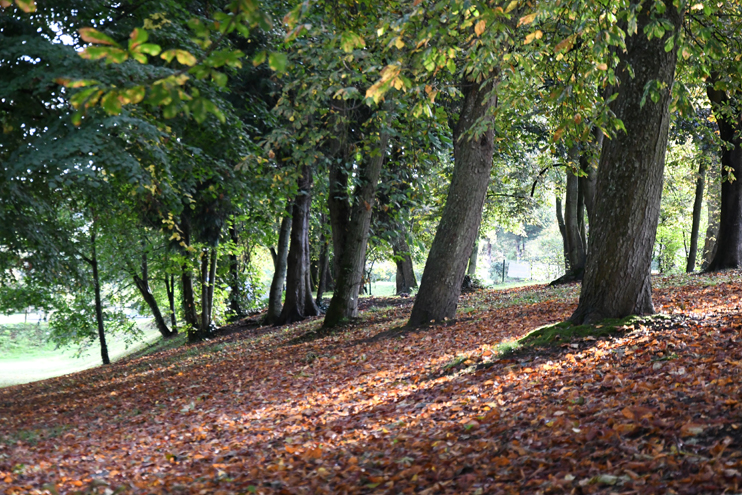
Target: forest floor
{"points": [[377, 409]]}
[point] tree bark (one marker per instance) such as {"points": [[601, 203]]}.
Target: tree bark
{"points": [[405, 279], [349, 277], [629, 185], [212, 282], [444, 270], [189, 304], [729, 238], [205, 320], [279, 273], [98, 300], [697, 204], [299, 304]]}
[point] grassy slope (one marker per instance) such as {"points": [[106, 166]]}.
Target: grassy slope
{"points": [[27, 358]]}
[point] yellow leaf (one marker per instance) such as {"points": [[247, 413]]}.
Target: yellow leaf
{"points": [[399, 44], [479, 27], [4, 4], [698, 6], [530, 38], [602, 66], [686, 53], [511, 6], [527, 19]]}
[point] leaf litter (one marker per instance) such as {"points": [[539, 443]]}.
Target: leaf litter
{"points": [[372, 409]]}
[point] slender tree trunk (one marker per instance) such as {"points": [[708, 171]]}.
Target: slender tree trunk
{"points": [[212, 280], [189, 304], [279, 272], [298, 304], [324, 261], [572, 226], [349, 277], [713, 205], [729, 238], [629, 186], [405, 280], [235, 288], [563, 231], [472, 270], [170, 289], [151, 301], [697, 204], [444, 270], [204, 327], [98, 301]]}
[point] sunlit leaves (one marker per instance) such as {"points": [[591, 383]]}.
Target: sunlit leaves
{"points": [[350, 41], [182, 56], [278, 61]]}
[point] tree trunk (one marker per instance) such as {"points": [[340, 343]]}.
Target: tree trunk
{"points": [[170, 289], [279, 272], [98, 301], [406, 280], [472, 270], [235, 292], [629, 186], [212, 281], [444, 270], [205, 313], [729, 238], [298, 304], [189, 304], [142, 284], [697, 204], [589, 180], [338, 203], [349, 277], [324, 261], [713, 204], [576, 252], [151, 301], [563, 231]]}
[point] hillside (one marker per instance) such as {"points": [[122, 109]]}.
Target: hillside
{"points": [[376, 409]]}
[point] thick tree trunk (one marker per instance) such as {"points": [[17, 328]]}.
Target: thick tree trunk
{"points": [[472, 269], [170, 289], [629, 187], [406, 280], [729, 238], [589, 180], [98, 299], [298, 303], [338, 204], [349, 277], [444, 270], [697, 204], [279, 272]]}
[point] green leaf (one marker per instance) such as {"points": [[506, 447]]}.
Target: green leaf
{"points": [[350, 40], [278, 61], [669, 44], [259, 58], [219, 78], [184, 57], [110, 103], [137, 37], [149, 49], [90, 35], [451, 66]]}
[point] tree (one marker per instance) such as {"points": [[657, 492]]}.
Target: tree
{"points": [[617, 273]]}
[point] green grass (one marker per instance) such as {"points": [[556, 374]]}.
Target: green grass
{"points": [[26, 356], [564, 332]]}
